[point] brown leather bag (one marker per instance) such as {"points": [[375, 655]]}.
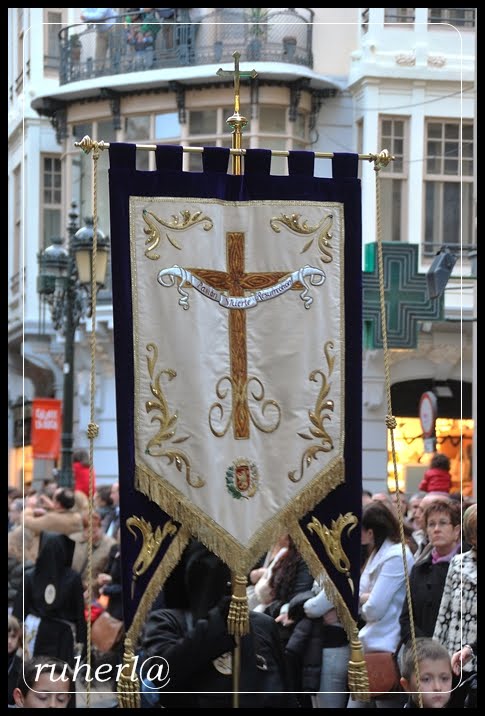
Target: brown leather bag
{"points": [[106, 632], [383, 673]]}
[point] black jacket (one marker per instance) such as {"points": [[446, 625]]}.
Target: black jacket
{"points": [[426, 582], [192, 652]]}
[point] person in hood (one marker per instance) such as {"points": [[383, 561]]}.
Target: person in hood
{"points": [[192, 636], [52, 602]]}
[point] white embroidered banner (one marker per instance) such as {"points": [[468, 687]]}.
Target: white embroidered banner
{"points": [[239, 413]]}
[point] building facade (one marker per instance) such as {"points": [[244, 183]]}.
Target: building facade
{"points": [[350, 79]]}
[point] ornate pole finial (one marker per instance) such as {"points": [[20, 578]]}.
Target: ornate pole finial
{"points": [[236, 121]]}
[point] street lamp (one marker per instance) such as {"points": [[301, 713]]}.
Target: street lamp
{"points": [[64, 283]]}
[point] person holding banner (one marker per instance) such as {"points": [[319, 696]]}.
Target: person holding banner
{"points": [[194, 641]]}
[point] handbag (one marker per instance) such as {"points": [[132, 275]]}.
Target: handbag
{"points": [[106, 632], [383, 672]]}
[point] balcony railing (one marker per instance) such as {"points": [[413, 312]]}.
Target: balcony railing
{"points": [[275, 35]]}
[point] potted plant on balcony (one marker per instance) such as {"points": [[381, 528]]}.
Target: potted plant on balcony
{"points": [[257, 19]]}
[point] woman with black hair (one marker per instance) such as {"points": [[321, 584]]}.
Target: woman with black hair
{"points": [[382, 589]]}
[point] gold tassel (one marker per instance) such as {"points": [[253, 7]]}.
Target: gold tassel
{"points": [[238, 617], [129, 684], [358, 679]]}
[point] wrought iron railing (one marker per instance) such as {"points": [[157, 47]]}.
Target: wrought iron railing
{"points": [[274, 35]]}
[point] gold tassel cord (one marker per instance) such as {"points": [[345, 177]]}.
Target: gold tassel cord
{"points": [[129, 683], [381, 160], [357, 676], [238, 617]]}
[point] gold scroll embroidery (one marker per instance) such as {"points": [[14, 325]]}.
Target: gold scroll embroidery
{"points": [[331, 538], [187, 221], [318, 416], [294, 223], [166, 421], [152, 542]]}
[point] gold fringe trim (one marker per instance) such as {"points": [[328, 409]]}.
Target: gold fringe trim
{"points": [[238, 617], [168, 563], [240, 559], [129, 684], [358, 679]]}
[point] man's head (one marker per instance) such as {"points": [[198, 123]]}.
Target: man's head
{"points": [[96, 523], [44, 684], [63, 499], [435, 675]]}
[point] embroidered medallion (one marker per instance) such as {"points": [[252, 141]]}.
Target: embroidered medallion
{"points": [[242, 478], [50, 594]]}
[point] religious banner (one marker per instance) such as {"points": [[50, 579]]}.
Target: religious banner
{"points": [[237, 307], [46, 428]]}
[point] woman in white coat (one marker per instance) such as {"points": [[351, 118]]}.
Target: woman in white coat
{"points": [[382, 590]]}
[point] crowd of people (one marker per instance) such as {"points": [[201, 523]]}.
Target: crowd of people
{"points": [[297, 652]]}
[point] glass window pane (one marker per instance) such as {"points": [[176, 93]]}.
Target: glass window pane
{"points": [[467, 167], [137, 128], [434, 149], [195, 160], [299, 127], [451, 213], [167, 126], [107, 132], [431, 208], [203, 122], [451, 166], [468, 131], [272, 119], [434, 130], [52, 225], [451, 149], [451, 131], [386, 128], [80, 130]]}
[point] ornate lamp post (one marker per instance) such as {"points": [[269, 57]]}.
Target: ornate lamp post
{"points": [[64, 283]]}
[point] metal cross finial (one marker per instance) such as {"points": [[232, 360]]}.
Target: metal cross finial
{"points": [[237, 75]]}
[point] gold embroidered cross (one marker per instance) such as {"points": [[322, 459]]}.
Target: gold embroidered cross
{"points": [[236, 281]]}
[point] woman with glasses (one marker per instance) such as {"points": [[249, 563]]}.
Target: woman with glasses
{"points": [[441, 522]]}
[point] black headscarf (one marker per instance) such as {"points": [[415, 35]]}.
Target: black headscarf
{"points": [[51, 572]]}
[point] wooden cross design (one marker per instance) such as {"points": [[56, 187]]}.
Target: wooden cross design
{"points": [[406, 296], [236, 281]]}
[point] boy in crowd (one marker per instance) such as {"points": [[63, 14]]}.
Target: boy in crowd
{"points": [[435, 675], [45, 684]]}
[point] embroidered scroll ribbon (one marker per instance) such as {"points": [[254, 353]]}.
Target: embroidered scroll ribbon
{"points": [[167, 277]]}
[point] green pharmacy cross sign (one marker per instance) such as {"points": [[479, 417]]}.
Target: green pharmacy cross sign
{"points": [[405, 292]]}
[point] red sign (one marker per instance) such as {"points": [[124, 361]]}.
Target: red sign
{"points": [[46, 428]]}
